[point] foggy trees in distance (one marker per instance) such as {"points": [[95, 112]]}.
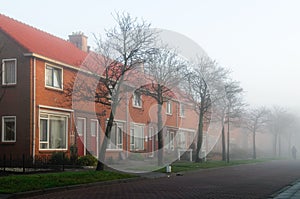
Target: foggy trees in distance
{"points": [[255, 120], [235, 107]]}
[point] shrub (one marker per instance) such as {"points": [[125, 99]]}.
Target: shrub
{"points": [[58, 158], [73, 154], [87, 160]]}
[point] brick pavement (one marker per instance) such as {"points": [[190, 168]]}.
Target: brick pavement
{"points": [[259, 180]]}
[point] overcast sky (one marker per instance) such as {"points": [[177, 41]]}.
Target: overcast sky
{"points": [[258, 39]]}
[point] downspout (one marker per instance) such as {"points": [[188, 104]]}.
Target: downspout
{"points": [[34, 109], [127, 123]]}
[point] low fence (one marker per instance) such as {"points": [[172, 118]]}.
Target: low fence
{"points": [[23, 163]]}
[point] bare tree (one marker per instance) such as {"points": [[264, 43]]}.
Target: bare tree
{"points": [[235, 107], [203, 90], [164, 71], [280, 120], [124, 49], [255, 119]]}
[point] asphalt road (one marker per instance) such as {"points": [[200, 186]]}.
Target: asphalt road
{"points": [[244, 181]]}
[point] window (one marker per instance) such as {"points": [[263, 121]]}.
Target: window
{"points": [[53, 131], [9, 71], [137, 100], [169, 107], [53, 77], [181, 111], [137, 137], [94, 127], [169, 140], [116, 136], [8, 128], [81, 126], [181, 140]]}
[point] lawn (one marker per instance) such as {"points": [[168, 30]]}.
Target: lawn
{"points": [[29, 182], [187, 166]]}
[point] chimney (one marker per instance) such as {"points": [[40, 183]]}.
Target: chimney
{"points": [[79, 40]]}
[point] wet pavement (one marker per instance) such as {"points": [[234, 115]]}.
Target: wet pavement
{"points": [[260, 180]]}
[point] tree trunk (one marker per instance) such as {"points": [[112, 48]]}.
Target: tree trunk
{"points": [[275, 145], [160, 154], [254, 146], [102, 151], [223, 143], [228, 142], [200, 136], [279, 145]]}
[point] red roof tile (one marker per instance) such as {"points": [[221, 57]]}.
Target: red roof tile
{"points": [[42, 43]]}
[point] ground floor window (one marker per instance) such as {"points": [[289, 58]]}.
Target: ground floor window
{"points": [[53, 131], [137, 137], [116, 136], [8, 128], [169, 140]]}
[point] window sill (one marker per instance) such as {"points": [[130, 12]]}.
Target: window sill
{"points": [[138, 107], [52, 150], [55, 89], [8, 142]]}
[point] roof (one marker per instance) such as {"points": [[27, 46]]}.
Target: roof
{"points": [[37, 41]]}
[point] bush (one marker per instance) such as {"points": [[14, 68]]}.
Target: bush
{"points": [[73, 154], [58, 158], [87, 160]]}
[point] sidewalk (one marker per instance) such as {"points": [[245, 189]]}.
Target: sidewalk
{"points": [[290, 192]]}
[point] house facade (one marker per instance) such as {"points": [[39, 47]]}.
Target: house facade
{"points": [[39, 118]]}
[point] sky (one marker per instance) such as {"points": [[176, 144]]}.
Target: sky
{"points": [[258, 40]]}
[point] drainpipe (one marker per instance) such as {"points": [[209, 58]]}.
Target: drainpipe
{"points": [[127, 122], [34, 109]]}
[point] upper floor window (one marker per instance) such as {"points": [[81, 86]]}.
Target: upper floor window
{"points": [[9, 71], [8, 128], [54, 77], [137, 100], [181, 111], [169, 107]]}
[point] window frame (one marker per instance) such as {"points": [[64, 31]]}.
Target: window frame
{"points": [[97, 126], [181, 109], [3, 71], [118, 146], [49, 114], [84, 126], [61, 74], [134, 98], [133, 141], [169, 107], [15, 129]]}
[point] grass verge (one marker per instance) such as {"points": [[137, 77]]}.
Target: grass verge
{"points": [[187, 166], [21, 183]]}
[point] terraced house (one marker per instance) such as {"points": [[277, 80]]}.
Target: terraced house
{"points": [[37, 118]]}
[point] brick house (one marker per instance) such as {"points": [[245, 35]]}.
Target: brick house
{"points": [[37, 118]]}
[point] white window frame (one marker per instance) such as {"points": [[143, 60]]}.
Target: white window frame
{"points": [[181, 109], [133, 138], [134, 100], [171, 142], [84, 126], [15, 129], [62, 77], [169, 107], [96, 133], [49, 114], [4, 72], [118, 146]]}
